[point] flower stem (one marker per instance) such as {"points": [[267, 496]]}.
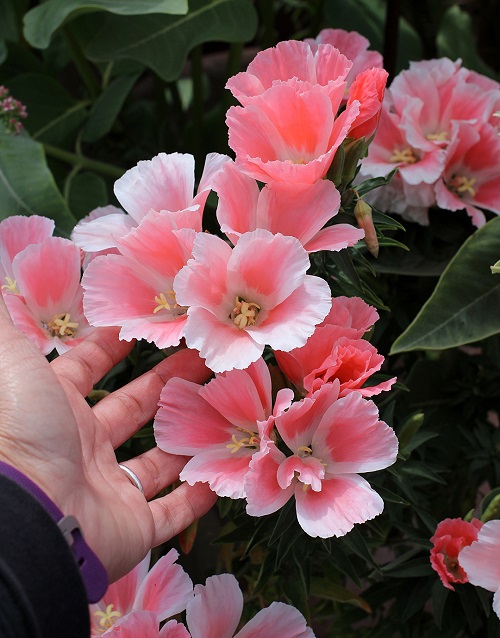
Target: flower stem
{"points": [[83, 162], [82, 64]]}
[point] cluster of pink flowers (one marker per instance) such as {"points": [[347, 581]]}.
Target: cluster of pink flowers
{"points": [[12, 111], [439, 128], [136, 604], [467, 552]]}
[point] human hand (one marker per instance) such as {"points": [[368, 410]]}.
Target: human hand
{"points": [[50, 433]]}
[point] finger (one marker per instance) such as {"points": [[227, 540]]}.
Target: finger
{"points": [[85, 364], [175, 511], [156, 470], [126, 410]]}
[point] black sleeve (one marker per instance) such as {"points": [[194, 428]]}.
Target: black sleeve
{"points": [[42, 594]]}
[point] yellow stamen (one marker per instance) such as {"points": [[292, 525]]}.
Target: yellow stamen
{"points": [[442, 136], [244, 313], [107, 618], [250, 442], [406, 156], [461, 184], [307, 450], [61, 326], [164, 303], [11, 286]]}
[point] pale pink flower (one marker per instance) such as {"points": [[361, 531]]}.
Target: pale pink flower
{"points": [[165, 590], [353, 45], [218, 425], [243, 298], [480, 561], [470, 178], [295, 61], [215, 612], [49, 308], [164, 183], [134, 289], [297, 210], [332, 440], [451, 535], [103, 233], [289, 133], [17, 232]]}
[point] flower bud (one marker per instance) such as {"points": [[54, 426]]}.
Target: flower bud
{"points": [[363, 213]]}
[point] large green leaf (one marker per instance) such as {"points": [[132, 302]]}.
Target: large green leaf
{"points": [[163, 42], [11, 12], [27, 186], [465, 306], [41, 22]]}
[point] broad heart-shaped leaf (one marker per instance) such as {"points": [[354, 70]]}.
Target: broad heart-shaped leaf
{"points": [[163, 42], [465, 306], [27, 186], [41, 22]]}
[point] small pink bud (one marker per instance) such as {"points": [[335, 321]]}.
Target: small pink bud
{"points": [[363, 213]]}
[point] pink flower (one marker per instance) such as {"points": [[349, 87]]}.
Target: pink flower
{"points": [[103, 233], [292, 61], [368, 89], [216, 609], [241, 299], [480, 561], [353, 45], [164, 183], [332, 440], [134, 289], [450, 537], [297, 210], [470, 177], [165, 590], [218, 425], [16, 233], [49, 308], [289, 133]]}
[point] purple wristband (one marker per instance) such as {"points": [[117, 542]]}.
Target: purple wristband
{"points": [[91, 569]]}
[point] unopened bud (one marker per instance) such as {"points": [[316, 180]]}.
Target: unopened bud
{"points": [[363, 213]]}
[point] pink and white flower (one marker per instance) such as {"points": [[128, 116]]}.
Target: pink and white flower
{"points": [[332, 440], [480, 561], [163, 591], [48, 308], [296, 210], [243, 298], [218, 425]]}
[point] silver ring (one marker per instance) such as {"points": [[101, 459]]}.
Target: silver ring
{"points": [[132, 477]]}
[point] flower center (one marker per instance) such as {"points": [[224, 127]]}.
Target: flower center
{"points": [[61, 326], [303, 450], [249, 442], [244, 313], [11, 286], [406, 156], [164, 303], [461, 184], [107, 618], [441, 136]]}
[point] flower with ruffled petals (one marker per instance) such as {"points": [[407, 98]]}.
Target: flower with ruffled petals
{"points": [[332, 440], [243, 298], [164, 183], [297, 210], [134, 289], [49, 308], [164, 591], [368, 89], [450, 537], [206, 617], [480, 561], [218, 425]]}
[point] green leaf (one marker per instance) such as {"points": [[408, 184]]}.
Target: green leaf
{"points": [[163, 42], [107, 107], [41, 22], [323, 588], [465, 306], [11, 12], [3, 51], [27, 186], [86, 192], [455, 39]]}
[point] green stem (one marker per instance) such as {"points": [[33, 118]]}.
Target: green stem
{"points": [[83, 162], [197, 77], [82, 64]]}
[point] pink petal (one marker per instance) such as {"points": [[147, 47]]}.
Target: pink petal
{"points": [[263, 493], [480, 560], [335, 238], [29, 325], [167, 588], [351, 439], [223, 471], [165, 182], [343, 501], [48, 276], [206, 616], [276, 620], [17, 232], [173, 629], [214, 163], [123, 592], [238, 197], [307, 470], [352, 313], [101, 233], [138, 623]]}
